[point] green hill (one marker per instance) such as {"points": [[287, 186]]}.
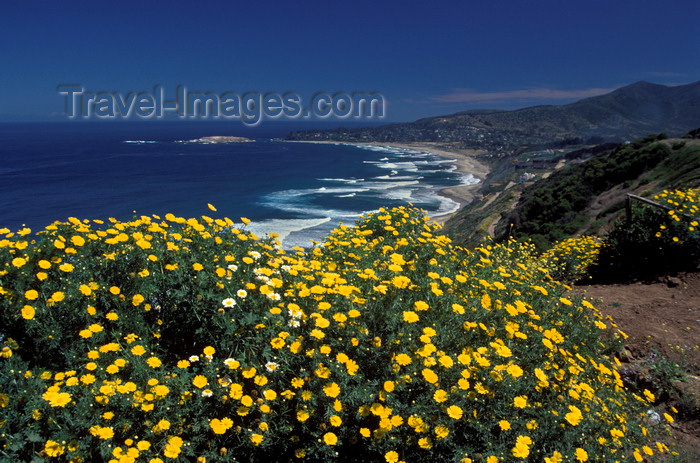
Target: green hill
{"points": [[582, 197]]}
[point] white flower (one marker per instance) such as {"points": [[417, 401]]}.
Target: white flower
{"points": [[295, 313], [254, 254], [242, 293], [194, 358], [233, 267], [293, 323], [271, 366], [207, 393], [228, 302], [274, 296]]}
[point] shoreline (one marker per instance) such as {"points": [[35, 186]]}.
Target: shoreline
{"points": [[464, 160]]}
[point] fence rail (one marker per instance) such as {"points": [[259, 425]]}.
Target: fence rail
{"points": [[628, 206]]}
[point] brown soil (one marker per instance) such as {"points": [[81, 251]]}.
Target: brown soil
{"points": [[662, 320]]}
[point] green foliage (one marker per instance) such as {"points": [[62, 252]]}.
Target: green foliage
{"points": [[656, 241], [189, 340], [559, 206]]}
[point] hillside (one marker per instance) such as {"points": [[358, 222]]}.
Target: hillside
{"points": [[627, 113], [580, 192]]}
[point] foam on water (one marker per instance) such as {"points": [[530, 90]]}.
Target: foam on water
{"points": [[284, 227]]}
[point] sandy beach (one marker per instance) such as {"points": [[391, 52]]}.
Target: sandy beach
{"points": [[464, 160]]}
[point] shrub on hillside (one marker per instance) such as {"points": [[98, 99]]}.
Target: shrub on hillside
{"points": [[655, 242], [189, 340]]}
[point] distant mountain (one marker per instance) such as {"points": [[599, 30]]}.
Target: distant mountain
{"points": [[626, 113]]}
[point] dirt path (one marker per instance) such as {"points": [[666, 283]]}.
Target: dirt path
{"points": [[662, 320]]}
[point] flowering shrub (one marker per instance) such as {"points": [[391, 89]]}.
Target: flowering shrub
{"points": [[570, 259], [656, 242], [171, 339]]}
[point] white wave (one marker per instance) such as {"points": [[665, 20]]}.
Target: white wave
{"points": [[436, 161], [140, 142], [340, 190], [284, 227], [350, 195], [342, 180], [399, 194], [447, 206], [389, 185], [294, 201], [468, 179], [400, 177]]}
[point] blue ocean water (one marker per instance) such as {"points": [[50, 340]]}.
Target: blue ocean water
{"points": [[51, 171]]}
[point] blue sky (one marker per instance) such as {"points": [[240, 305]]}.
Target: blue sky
{"points": [[425, 58]]}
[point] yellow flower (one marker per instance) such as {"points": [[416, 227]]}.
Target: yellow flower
{"points": [[211, 208], [555, 458], [331, 390], [102, 432], [425, 443], [440, 396], [220, 426], [514, 370], [66, 267], [410, 316], [504, 425], [28, 312], [430, 376], [581, 454], [138, 350], [31, 294], [335, 420], [520, 401], [197, 267], [154, 362], [330, 439], [454, 412], [53, 448], [574, 417], [421, 305], [401, 281], [441, 432], [391, 457], [161, 426], [172, 448], [200, 381]]}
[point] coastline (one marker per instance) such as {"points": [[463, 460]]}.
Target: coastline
{"points": [[464, 160]]}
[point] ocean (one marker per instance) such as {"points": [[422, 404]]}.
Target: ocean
{"points": [[97, 170]]}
